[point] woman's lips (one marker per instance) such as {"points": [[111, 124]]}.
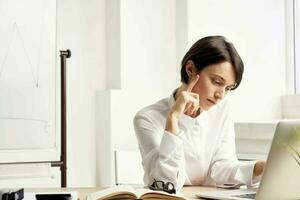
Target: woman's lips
{"points": [[211, 102]]}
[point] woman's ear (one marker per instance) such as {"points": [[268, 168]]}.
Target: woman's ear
{"points": [[190, 68]]}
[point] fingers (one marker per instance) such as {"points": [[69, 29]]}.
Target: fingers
{"points": [[192, 83], [187, 102], [191, 103], [192, 110], [188, 108]]}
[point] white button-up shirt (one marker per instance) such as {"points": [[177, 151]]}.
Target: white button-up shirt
{"points": [[203, 153]]}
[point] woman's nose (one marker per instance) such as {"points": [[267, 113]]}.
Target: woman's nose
{"points": [[219, 94]]}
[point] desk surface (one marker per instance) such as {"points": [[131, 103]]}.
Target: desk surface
{"points": [[188, 191]]}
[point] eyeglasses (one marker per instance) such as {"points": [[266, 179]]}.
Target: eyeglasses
{"points": [[162, 186]]}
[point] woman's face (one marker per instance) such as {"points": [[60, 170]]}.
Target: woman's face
{"points": [[215, 81]]}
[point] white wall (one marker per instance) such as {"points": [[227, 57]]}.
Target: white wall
{"points": [[257, 29], [81, 29], [148, 55], [148, 72], [146, 58]]}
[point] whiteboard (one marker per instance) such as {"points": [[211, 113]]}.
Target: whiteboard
{"points": [[29, 114]]}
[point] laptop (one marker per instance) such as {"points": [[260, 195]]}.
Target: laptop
{"points": [[281, 178]]}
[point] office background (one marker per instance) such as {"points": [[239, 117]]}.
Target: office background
{"points": [[126, 54]]}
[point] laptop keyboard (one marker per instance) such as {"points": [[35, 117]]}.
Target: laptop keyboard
{"points": [[246, 196]]}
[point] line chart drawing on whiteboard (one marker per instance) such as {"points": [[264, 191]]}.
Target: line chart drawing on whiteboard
{"points": [[28, 96], [16, 34]]}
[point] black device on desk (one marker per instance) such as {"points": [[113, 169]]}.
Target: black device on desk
{"points": [[12, 194], [53, 196]]}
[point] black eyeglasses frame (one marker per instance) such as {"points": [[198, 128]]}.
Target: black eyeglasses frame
{"points": [[162, 186]]}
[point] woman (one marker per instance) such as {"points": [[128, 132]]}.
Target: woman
{"points": [[188, 138]]}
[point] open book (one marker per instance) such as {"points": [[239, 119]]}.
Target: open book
{"points": [[128, 192]]}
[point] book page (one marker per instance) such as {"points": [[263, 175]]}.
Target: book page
{"points": [[116, 192], [144, 193]]}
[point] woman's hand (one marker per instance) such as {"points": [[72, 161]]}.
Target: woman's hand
{"points": [[186, 103], [259, 168]]}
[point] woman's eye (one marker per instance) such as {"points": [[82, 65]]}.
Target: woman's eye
{"points": [[217, 82], [228, 88]]}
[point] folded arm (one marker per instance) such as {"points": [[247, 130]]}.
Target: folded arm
{"points": [[162, 152]]}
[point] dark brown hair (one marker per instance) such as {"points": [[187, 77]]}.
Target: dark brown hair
{"points": [[212, 50]]}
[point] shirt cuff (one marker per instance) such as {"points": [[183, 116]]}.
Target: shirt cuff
{"points": [[244, 173], [170, 143]]}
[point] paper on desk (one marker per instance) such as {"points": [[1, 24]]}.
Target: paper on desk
{"points": [[31, 195]]}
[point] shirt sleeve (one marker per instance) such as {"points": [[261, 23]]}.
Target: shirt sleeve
{"points": [[162, 152], [225, 167]]}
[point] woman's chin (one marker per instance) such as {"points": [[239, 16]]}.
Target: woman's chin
{"points": [[206, 107]]}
